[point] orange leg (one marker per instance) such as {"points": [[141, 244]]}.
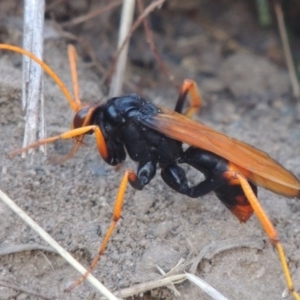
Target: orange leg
{"points": [[74, 133], [128, 176], [77, 103], [72, 60], [270, 231], [189, 87]]}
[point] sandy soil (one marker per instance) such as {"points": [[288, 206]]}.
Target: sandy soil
{"points": [[246, 96]]}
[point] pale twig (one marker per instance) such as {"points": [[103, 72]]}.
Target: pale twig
{"points": [[208, 289], [61, 251], [32, 84], [171, 286], [136, 24], [171, 278], [151, 7], [287, 50], [168, 281], [125, 26], [150, 285]]}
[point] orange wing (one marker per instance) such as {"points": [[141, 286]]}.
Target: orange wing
{"points": [[254, 164]]}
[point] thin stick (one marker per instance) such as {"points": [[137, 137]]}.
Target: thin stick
{"points": [[155, 4], [136, 24], [61, 251], [150, 285], [124, 30], [150, 41], [167, 281], [94, 13], [208, 289], [32, 84], [287, 50]]}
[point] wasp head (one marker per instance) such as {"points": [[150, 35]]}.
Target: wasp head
{"points": [[83, 117]]}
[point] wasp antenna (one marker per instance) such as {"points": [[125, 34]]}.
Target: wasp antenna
{"points": [[33, 145], [72, 59], [46, 68]]}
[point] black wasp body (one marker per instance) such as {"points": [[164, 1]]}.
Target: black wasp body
{"points": [[123, 123]]}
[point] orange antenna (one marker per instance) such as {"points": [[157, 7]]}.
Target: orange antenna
{"points": [[47, 69], [72, 59]]}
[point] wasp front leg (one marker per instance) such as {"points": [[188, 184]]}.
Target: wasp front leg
{"points": [[269, 229], [146, 172], [131, 177]]}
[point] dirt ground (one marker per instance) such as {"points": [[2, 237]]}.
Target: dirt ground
{"points": [[247, 95]]}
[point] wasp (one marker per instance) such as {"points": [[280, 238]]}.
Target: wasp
{"points": [[153, 136]]}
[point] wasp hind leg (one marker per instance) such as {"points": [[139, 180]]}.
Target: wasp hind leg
{"points": [[175, 177], [222, 177], [188, 87], [269, 229]]}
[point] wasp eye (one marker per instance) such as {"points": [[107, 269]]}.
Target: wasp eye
{"points": [[80, 117]]}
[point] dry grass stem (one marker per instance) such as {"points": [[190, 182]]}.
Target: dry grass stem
{"points": [[208, 289], [170, 286], [32, 83], [150, 41], [150, 285], [169, 282], [136, 24], [125, 26], [61, 251]]}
